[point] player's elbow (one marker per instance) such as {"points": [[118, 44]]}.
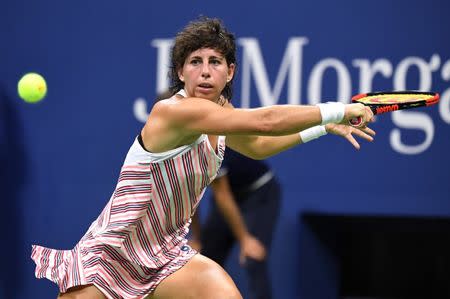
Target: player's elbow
{"points": [[256, 154], [260, 156]]}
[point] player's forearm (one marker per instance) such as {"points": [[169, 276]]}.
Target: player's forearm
{"points": [[262, 147], [269, 146], [282, 120]]}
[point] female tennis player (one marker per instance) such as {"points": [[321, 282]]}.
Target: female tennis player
{"points": [[137, 248]]}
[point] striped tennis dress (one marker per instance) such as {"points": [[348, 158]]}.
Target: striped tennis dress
{"points": [[140, 237]]}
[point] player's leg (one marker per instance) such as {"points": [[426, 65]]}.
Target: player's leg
{"points": [[82, 292], [200, 278], [261, 211]]}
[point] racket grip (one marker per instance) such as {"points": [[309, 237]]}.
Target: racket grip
{"points": [[356, 121]]}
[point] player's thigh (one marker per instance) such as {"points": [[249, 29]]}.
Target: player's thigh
{"points": [[82, 292], [200, 278]]}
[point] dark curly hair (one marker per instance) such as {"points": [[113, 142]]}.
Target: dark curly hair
{"points": [[202, 33]]}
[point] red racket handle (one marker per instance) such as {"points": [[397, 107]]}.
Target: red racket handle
{"points": [[355, 122]]}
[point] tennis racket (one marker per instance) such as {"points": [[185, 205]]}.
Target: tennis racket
{"points": [[388, 101]]}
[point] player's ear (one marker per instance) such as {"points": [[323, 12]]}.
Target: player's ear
{"points": [[231, 69], [180, 75]]}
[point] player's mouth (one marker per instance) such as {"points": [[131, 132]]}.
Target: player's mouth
{"points": [[205, 87]]}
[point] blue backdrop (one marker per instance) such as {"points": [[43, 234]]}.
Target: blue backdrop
{"points": [[105, 61]]}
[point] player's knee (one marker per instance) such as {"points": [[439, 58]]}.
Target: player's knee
{"points": [[216, 283], [221, 290], [228, 294]]}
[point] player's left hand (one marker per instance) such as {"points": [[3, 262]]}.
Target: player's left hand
{"points": [[348, 131]]}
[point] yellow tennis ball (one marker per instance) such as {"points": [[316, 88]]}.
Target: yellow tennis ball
{"points": [[32, 88]]}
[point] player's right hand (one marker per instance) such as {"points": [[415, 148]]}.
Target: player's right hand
{"points": [[357, 110]]}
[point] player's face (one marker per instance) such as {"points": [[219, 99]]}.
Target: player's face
{"points": [[205, 73]]}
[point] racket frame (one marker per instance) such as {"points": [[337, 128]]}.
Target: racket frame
{"points": [[380, 108]]}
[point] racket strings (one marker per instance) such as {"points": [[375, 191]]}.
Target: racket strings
{"points": [[396, 98]]}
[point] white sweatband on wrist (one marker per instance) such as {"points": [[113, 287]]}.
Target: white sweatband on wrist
{"points": [[312, 133], [332, 112]]}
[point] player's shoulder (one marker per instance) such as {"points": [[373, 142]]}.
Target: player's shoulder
{"points": [[228, 105], [172, 111], [166, 104]]}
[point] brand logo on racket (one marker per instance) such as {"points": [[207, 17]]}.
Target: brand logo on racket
{"points": [[389, 108]]}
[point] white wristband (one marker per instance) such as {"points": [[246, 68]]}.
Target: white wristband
{"points": [[312, 133], [332, 112]]}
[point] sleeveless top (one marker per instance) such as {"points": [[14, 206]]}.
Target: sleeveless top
{"points": [[140, 236]]}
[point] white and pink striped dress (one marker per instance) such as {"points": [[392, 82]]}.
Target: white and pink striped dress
{"points": [[140, 236]]}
